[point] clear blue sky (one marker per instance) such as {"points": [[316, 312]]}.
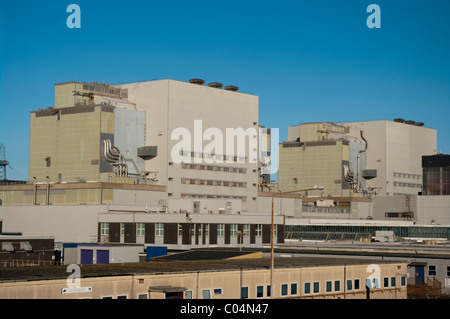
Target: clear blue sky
{"points": [[311, 60]]}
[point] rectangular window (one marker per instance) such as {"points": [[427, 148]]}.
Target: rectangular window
{"points": [[403, 281], [432, 270], [329, 286], [448, 271], [258, 230], [307, 288], [284, 289], [122, 229], [316, 287], [220, 230], [180, 230], [293, 289], [268, 291], [206, 230], [206, 294], [217, 291], [233, 230], [244, 292], [140, 229], [385, 282], [259, 291], [188, 294], [337, 285], [104, 228], [159, 229], [349, 284], [356, 284], [246, 229], [393, 282]]}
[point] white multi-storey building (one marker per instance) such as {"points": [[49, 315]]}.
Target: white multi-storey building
{"points": [[395, 150]]}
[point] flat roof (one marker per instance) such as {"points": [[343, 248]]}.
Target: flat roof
{"points": [[162, 267]]}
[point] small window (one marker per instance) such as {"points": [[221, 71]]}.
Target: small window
{"points": [[349, 284], [403, 281], [337, 285], [244, 292], [122, 297], [159, 229], [385, 282], [206, 294], [259, 291], [432, 270], [220, 230], [258, 230], [104, 228], [142, 296], [307, 288], [448, 271], [284, 289], [293, 289], [268, 291], [188, 294], [393, 282], [356, 284], [217, 291], [329, 286], [140, 229], [316, 287]]}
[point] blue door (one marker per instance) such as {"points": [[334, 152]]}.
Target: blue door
{"points": [[86, 256], [102, 256], [420, 274]]}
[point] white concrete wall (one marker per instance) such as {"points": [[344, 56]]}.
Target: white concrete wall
{"points": [[64, 223], [395, 148], [433, 208]]}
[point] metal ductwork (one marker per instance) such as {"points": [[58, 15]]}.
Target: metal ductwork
{"points": [[113, 156]]}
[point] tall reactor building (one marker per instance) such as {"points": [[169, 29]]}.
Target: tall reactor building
{"points": [[196, 139]]}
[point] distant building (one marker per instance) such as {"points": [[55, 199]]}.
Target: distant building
{"points": [[395, 150], [436, 174], [322, 154]]}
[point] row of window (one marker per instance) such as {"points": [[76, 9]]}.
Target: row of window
{"points": [[159, 229], [242, 198], [212, 183], [292, 289], [314, 287], [404, 175], [402, 184], [214, 168], [214, 157]]}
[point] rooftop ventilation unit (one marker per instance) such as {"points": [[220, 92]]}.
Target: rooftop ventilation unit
{"points": [[216, 85], [419, 124], [399, 120], [231, 88], [196, 81], [410, 122]]}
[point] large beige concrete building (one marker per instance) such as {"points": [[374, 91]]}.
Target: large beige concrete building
{"points": [[318, 154]]}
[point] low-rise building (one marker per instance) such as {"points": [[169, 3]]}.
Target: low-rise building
{"points": [[218, 279]]}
